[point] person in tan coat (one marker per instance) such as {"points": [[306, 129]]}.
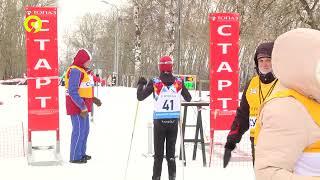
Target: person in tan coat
{"points": [[288, 142]]}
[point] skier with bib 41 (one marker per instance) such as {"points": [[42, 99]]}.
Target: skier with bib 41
{"points": [[167, 90]]}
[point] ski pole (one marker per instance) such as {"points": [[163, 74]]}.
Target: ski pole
{"points": [[132, 134]]}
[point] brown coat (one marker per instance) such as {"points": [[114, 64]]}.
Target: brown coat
{"points": [[286, 126]]}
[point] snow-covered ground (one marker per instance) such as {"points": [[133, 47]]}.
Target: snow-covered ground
{"points": [[109, 141]]}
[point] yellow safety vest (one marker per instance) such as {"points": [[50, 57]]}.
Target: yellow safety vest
{"points": [[312, 106], [255, 95], [85, 88]]}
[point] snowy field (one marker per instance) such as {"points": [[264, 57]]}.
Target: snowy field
{"points": [[109, 141]]}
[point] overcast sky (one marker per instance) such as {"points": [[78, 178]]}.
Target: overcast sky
{"points": [[70, 11]]}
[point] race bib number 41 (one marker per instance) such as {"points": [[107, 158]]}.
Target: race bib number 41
{"points": [[167, 105]]}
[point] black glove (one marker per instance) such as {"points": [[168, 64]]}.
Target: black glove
{"points": [[228, 148], [96, 101], [142, 81], [84, 113]]}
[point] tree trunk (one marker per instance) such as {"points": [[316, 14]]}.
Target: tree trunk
{"points": [[170, 28], [137, 43]]}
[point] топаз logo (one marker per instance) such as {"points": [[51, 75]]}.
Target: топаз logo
{"points": [[32, 24]]}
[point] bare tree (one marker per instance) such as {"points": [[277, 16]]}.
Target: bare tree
{"points": [[170, 26], [151, 32], [137, 47]]}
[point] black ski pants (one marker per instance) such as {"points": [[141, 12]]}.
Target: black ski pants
{"points": [[165, 130]]}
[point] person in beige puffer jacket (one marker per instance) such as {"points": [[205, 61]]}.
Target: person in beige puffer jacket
{"points": [[288, 143]]}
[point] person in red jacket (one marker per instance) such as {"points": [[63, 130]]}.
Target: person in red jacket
{"points": [[79, 99]]}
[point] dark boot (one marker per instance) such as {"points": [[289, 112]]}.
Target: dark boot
{"points": [[86, 157], [80, 161], [171, 168], [157, 167]]}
